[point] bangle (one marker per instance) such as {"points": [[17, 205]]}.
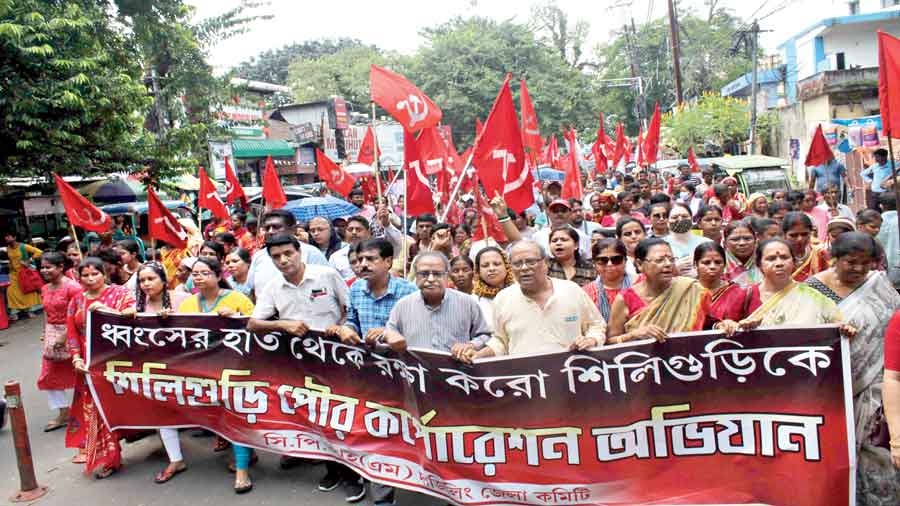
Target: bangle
{"points": [[503, 220]]}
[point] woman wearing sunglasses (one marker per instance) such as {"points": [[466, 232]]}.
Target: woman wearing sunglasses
{"points": [[609, 261]]}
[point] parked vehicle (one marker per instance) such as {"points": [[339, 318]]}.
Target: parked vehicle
{"points": [[754, 173]]}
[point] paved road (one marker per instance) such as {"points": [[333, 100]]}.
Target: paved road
{"points": [[207, 482]]}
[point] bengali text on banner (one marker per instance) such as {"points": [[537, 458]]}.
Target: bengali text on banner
{"points": [[759, 418]]}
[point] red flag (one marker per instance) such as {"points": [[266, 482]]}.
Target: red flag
{"points": [[651, 141], [432, 150], [402, 100], [819, 152], [272, 191], [468, 182], [163, 225], [418, 193], [600, 162], [333, 175], [208, 197], [692, 160], [487, 221], [629, 151], [619, 151], [572, 184], [531, 133], [499, 155], [479, 126], [79, 209], [368, 150], [233, 189], [888, 88], [551, 153]]}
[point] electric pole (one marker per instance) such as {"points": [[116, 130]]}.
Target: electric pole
{"points": [[754, 83], [676, 58], [640, 109]]}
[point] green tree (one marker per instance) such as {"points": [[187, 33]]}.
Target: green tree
{"points": [[344, 73], [463, 64], [272, 66], [186, 95], [712, 119], [69, 90], [552, 24], [706, 64]]}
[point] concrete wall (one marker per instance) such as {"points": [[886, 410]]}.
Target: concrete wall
{"points": [[858, 41]]}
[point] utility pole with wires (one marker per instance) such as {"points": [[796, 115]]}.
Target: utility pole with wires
{"points": [[749, 38], [676, 57], [640, 105]]}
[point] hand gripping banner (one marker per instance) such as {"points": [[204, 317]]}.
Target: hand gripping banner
{"points": [[760, 418]]}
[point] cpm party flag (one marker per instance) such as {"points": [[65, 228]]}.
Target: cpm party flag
{"points": [[402, 100], [572, 187], [620, 149], [531, 133], [272, 192], [692, 160], [233, 189], [368, 150], [162, 224], [889, 81], [489, 225], [432, 151], [639, 148], [819, 152], [651, 140], [333, 175], [499, 156], [208, 197], [418, 193], [79, 209]]}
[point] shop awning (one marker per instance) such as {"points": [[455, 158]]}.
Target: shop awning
{"points": [[260, 148]]}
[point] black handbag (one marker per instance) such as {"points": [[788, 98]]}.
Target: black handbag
{"points": [[877, 432]]}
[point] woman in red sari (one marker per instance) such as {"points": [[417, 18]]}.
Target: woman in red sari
{"points": [[728, 300], [100, 449], [809, 259]]}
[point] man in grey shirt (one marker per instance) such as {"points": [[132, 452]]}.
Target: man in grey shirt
{"points": [[435, 317]]}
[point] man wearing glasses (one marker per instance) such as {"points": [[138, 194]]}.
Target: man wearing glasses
{"points": [[435, 317], [539, 314]]}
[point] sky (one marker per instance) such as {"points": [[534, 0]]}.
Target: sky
{"points": [[395, 24]]}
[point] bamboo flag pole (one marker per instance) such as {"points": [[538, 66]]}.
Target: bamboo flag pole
{"points": [[377, 153], [75, 237]]}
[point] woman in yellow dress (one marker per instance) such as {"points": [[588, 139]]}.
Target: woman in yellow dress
{"points": [[20, 254]]}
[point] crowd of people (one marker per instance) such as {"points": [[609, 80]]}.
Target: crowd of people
{"points": [[640, 256]]}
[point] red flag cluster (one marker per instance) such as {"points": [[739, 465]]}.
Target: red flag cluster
{"points": [[272, 192], [333, 175]]}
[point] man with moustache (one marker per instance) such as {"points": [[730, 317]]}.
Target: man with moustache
{"points": [[262, 269], [357, 231]]}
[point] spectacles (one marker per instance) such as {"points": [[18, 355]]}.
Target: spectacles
{"points": [[661, 260], [431, 274], [615, 260], [527, 262]]}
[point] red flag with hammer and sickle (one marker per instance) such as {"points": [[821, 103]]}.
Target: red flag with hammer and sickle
{"points": [[402, 100], [209, 198], [162, 223], [233, 189], [79, 209], [368, 150], [333, 175]]}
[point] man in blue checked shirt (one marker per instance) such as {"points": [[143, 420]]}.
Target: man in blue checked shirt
{"points": [[372, 297]]}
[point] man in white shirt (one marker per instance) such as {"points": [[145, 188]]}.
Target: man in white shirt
{"points": [[262, 269], [357, 231], [304, 297]]}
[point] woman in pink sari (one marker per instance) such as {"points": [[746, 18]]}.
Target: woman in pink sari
{"points": [[99, 448]]}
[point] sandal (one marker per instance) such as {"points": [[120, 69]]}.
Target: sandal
{"points": [[221, 444], [232, 467], [106, 473], [81, 458], [54, 425], [166, 475], [243, 488]]}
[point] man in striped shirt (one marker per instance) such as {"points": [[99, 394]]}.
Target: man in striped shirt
{"points": [[435, 317]]}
